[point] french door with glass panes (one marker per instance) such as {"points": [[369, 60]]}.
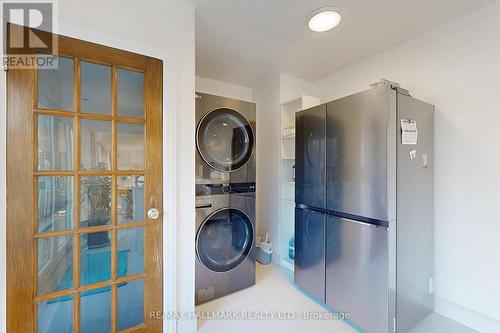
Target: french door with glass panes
{"points": [[84, 184]]}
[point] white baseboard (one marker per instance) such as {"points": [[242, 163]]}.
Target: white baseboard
{"points": [[466, 316]]}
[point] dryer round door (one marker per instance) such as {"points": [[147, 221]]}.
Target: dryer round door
{"points": [[224, 139], [224, 240]]}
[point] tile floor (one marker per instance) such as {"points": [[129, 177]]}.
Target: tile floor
{"points": [[273, 293]]}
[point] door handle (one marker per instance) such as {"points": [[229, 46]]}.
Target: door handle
{"points": [[362, 223], [153, 213]]}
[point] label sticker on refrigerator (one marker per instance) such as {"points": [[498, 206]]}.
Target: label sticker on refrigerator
{"points": [[409, 132]]}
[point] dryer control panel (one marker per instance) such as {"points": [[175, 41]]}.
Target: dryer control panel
{"points": [[215, 189]]}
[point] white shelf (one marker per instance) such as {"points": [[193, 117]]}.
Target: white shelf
{"points": [[288, 182], [293, 105], [288, 137], [288, 263]]}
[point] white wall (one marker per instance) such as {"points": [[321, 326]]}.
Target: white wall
{"points": [[165, 30], [219, 88], [292, 88], [267, 98], [457, 68]]}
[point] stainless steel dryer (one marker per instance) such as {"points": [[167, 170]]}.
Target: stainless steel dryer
{"points": [[225, 236], [225, 140]]}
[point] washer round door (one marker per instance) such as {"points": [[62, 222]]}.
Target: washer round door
{"points": [[224, 240], [224, 139]]}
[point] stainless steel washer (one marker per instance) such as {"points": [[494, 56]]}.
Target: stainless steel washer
{"points": [[225, 237]]}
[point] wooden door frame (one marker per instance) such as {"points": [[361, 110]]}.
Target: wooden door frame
{"points": [[17, 167]]}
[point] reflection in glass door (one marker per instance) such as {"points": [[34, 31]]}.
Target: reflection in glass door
{"points": [[96, 258]]}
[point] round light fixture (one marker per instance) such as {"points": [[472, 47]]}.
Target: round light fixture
{"points": [[324, 19]]}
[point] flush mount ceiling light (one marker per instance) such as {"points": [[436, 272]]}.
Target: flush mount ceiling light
{"points": [[324, 19]]}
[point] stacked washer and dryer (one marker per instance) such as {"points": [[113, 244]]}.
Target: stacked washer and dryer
{"points": [[225, 196]]}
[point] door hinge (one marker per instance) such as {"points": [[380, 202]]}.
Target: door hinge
{"points": [[394, 85], [394, 325]]}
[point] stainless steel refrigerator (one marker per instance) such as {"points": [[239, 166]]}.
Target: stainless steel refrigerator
{"points": [[364, 207]]}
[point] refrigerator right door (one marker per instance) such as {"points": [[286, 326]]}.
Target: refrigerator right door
{"points": [[358, 153], [357, 272]]}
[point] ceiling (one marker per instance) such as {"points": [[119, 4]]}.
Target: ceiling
{"points": [[240, 41]]}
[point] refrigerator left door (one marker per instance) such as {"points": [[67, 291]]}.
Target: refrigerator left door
{"points": [[310, 156], [310, 252]]}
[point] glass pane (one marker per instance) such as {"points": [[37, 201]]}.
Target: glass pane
{"points": [[55, 143], [130, 146], [95, 201], [55, 203], [130, 94], [130, 199], [95, 144], [130, 251], [95, 310], [55, 86], [95, 257], [55, 264], [95, 88], [56, 315], [130, 304]]}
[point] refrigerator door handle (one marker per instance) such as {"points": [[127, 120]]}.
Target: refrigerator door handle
{"points": [[305, 209], [362, 223]]}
